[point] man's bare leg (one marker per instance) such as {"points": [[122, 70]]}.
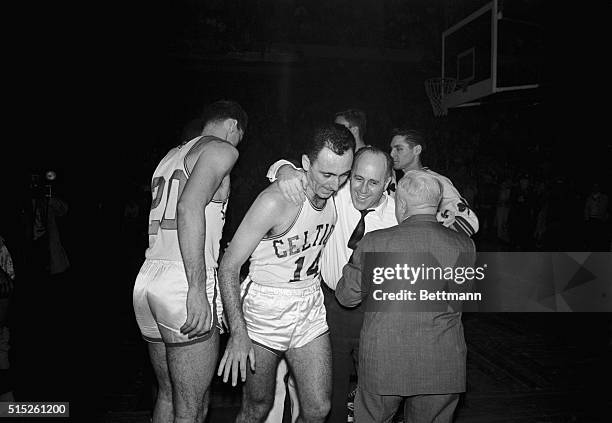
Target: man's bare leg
{"points": [[258, 390], [275, 415], [311, 367], [191, 371], [163, 411]]}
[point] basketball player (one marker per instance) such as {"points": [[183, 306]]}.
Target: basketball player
{"points": [[176, 301], [281, 311], [453, 210]]}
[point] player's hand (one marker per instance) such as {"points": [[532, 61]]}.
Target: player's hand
{"points": [[292, 184], [198, 314], [446, 217], [239, 348]]}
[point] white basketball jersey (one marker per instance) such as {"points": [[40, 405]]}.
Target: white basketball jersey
{"points": [[291, 259], [166, 187]]}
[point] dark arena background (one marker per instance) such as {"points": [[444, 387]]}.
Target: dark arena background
{"points": [[111, 88]]}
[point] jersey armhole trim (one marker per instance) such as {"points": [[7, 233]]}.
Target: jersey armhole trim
{"points": [[194, 146], [286, 231]]}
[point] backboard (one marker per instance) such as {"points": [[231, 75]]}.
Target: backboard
{"points": [[497, 48]]}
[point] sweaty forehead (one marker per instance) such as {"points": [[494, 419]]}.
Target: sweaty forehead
{"points": [[330, 162]]}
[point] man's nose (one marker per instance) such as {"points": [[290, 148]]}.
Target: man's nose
{"points": [[363, 188], [334, 183]]}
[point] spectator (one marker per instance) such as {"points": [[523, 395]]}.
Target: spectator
{"points": [[7, 275], [49, 255], [503, 210], [596, 217]]}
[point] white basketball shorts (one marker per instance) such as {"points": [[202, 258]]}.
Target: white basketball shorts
{"points": [[281, 318], [160, 296]]}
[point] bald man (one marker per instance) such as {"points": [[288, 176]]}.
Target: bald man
{"points": [[419, 356]]}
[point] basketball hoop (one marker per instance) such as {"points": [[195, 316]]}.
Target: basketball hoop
{"points": [[437, 89]]}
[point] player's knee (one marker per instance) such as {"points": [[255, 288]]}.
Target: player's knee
{"points": [[164, 392], [260, 403], [317, 410], [257, 411]]}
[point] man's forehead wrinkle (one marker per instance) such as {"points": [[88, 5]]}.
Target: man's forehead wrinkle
{"points": [[330, 172], [323, 169], [366, 178]]}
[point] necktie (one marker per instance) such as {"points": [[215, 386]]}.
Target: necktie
{"points": [[359, 230]]}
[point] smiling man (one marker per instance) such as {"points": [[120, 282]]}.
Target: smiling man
{"points": [[363, 206]]}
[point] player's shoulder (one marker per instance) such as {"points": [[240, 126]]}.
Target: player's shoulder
{"points": [[459, 239], [273, 199], [437, 175], [214, 146]]}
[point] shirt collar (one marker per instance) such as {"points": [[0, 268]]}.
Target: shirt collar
{"points": [[419, 218], [379, 210]]}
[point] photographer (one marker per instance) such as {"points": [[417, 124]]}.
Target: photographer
{"points": [[7, 275], [48, 253]]}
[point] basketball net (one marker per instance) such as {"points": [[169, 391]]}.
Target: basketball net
{"points": [[437, 89]]}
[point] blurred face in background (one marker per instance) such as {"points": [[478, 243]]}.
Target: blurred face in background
{"points": [[341, 120]]}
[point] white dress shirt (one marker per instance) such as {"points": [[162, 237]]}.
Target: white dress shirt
{"points": [[337, 253]]}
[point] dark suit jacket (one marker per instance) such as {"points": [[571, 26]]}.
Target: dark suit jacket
{"points": [[409, 353]]}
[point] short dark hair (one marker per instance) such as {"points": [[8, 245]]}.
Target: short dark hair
{"points": [[225, 109], [333, 136], [412, 136], [375, 150], [355, 117]]}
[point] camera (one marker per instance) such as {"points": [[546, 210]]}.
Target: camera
{"points": [[50, 176], [40, 188]]}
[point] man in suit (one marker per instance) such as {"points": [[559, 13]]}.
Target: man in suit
{"points": [[417, 355]]}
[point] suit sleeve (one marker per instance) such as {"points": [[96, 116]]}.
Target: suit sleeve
{"points": [[463, 283], [349, 290]]}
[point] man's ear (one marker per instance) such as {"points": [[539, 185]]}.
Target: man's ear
{"points": [[305, 162], [400, 208], [231, 125], [417, 149]]}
